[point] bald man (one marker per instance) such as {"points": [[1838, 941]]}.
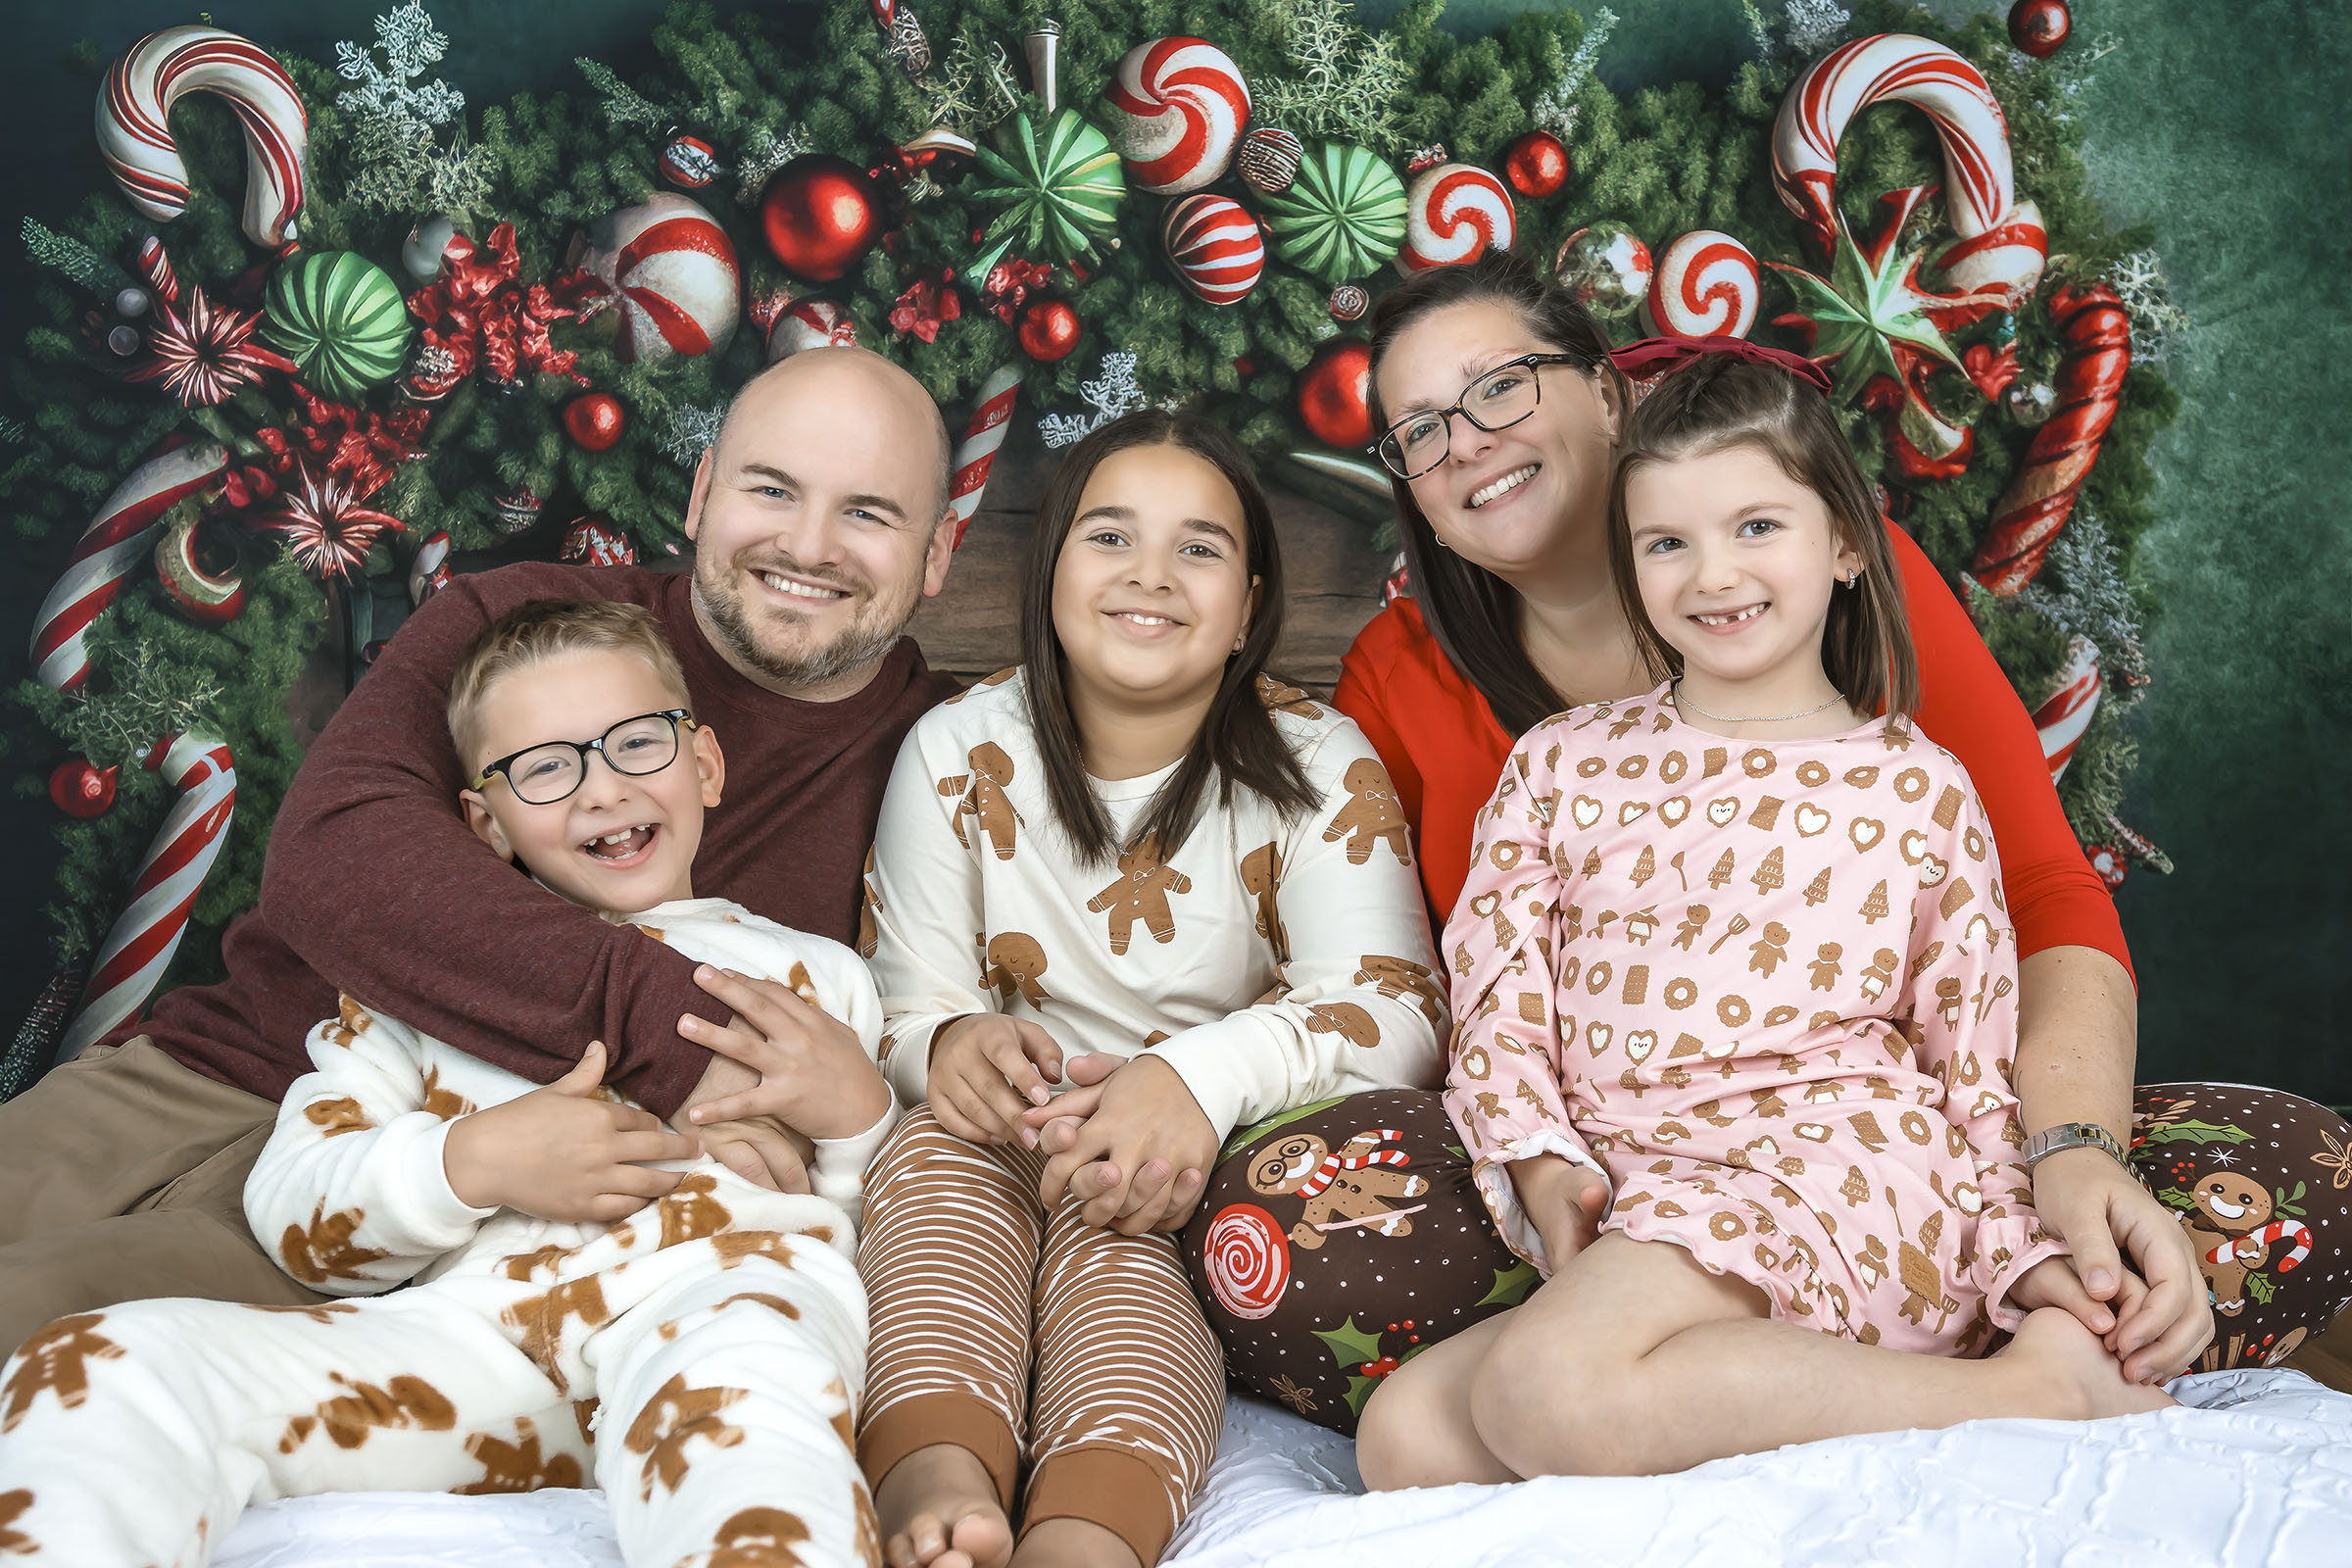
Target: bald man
{"points": [[817, 528]]}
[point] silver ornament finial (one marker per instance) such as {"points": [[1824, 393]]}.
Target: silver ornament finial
{"points": [[1043, 48]]}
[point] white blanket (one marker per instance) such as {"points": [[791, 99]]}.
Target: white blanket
{"points": [[2256, 1472]]}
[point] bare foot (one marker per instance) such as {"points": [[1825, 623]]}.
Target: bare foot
{"points": [[1072, 1544], [938, 1509], [2073, 1373]]}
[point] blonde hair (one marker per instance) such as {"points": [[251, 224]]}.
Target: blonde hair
{"points": [[547, 628], [1719, 401]]}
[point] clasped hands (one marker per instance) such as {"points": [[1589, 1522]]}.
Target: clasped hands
{"points": [[1127, 1140], [783, 1072]]}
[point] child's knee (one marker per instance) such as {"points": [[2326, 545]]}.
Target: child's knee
{"points": [[1549, 1403]]}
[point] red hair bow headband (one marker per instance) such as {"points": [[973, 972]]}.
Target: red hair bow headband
{"points": [[1654, 357]]}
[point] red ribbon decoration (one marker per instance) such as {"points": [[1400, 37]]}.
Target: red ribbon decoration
{"points": [[2097, 331], [1009, 284], [339, 442], [480, 314], [1654, 357], [927, 305]]}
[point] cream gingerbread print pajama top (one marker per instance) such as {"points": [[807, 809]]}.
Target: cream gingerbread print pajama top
{"points": [[1769, 990]]}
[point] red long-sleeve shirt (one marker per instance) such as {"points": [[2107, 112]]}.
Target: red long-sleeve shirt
{"points": [[374, 886], [1445, 751]]}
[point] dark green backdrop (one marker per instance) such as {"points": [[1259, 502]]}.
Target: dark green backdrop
{"points": [[2221, 123]]}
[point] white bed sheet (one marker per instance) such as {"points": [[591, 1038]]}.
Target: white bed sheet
{"points": [[2254, 1472]]}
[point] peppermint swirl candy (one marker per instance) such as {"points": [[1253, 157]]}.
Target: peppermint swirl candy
{"points": [[1454, 212], [1706, 284], [1247, 1260], [1341, 217], [1176, 110]]}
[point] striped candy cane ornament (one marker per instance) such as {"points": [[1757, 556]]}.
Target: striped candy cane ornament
{"points": [[976, 453], [147, 932], [2067, 712], [134, 132], [115, 543]]}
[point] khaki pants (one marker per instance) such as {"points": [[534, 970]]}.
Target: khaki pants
{"points": [[122, 1177]]}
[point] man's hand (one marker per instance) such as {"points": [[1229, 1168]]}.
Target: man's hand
{"points": [[562, 1153], [986, 1070], [1564, 1202], [2105, 1217], [805, 1069], [763, 1151], [1132, 1144]]}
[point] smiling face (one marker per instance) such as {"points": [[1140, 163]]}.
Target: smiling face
{"points": [[1735, 562], [1515, 499], [620, 842], [816, 522], [1151, 590]]}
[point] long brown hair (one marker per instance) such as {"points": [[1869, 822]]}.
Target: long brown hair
{"points": [[1719, 401], [1473, 613], [1238, 743]]}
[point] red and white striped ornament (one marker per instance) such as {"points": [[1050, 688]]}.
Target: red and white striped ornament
{"points": [[673, 271], [1175, 112], [147, 932], [1216, 247], [1706, 284], [1453, 214], [976, 453], [117, 539], [2067, 712], [209, 599], [597, 541], [810, 324], [2002, 245], [428, 573], [135, 130]]}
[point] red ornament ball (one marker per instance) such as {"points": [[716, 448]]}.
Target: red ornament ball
{"points": [[80, 790], [1537, 164], [1335, 394], [1049, 331], [821, 215], [595, 422], [2040, 28]]}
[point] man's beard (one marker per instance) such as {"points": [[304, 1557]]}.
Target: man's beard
{"points": [[870, 634]]}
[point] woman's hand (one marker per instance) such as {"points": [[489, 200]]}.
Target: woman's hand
{"points": [[986, 1070], [2164, 1313], [1564, 1202]]}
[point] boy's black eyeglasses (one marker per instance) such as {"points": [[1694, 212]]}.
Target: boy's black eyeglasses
{"points": [[541, 776], [1495, 401]]}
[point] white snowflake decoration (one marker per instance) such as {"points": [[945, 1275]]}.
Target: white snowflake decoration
{"points": [[1805, 29], [395, 121], [690, 429], [2140, 283], [1555, 107], [1113, 393]]}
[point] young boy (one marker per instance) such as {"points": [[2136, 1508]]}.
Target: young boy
{"points": [[594, 1296]]}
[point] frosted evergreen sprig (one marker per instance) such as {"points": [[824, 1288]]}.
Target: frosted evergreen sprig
{"points": [[688, 430], [395, 150], [1555, 107], [2139, 281], [148, 695], [770, 151], [1113, 393], [73, 257], [1347, 80], [624, 105], [2082, 588]]}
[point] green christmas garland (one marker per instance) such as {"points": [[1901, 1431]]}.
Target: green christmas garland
{"points": [[395, 149]]}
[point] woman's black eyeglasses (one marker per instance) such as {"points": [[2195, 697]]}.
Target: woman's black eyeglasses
{"points": [[1495, 401], [541, 776]]}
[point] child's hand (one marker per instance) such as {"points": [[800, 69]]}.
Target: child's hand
{"points": [[986, 1069], [562, 1153], [761, 1151], [2053, 1282], [1141, 1153], [814, 1075], [1564, 1202]]}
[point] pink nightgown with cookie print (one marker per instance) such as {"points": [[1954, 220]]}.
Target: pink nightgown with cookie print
{"points": [[1768, 989]]}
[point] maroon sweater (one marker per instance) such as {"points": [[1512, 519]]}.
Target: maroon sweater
{"points": [[374, 886]]}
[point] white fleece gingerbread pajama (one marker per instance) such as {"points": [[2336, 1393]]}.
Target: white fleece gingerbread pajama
{"points": [[701, 1361]]}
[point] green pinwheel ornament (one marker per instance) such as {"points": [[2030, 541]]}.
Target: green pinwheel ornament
{"points": [[1062, 183], [341, 317], [1342, 217]]}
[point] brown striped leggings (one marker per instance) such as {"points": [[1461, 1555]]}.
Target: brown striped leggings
{"points": [[992, 1320]]}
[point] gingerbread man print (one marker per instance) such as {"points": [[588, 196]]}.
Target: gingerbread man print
{"points": [[1015, 961], [1372, 816], [1142, 892], [983, 799], [1355, 1185], [1825, 966], [1261, 875], [1770, 950]]}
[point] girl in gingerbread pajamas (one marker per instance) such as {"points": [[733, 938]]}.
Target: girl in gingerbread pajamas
{"points": [[1136, 894], [1736, 989], [697, 1357]]}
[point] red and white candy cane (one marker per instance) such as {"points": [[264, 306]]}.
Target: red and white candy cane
{"points": [[2260, 1241], [976, 453], [1453, 214], [134, 132], [1175, 112], [2065, 713], [2097, 333], [1368, 1152], [1706, 284], [147, 932], [115, 543], [2002, 245]]}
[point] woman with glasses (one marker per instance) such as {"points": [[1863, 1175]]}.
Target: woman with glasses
{"points": [[1499, 410]]}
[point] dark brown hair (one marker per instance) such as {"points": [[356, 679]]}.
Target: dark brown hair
{"points": [[1473, 613], [541, 629], [1718, 400], [1238, 743]]}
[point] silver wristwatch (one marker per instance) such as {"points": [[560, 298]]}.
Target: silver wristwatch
{"points": [[2070, 1135]]}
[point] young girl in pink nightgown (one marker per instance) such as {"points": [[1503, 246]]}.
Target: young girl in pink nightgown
{"points": [[1737, 997]]}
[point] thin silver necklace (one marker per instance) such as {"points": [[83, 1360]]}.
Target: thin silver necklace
{"points": [[1680, 701]]}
